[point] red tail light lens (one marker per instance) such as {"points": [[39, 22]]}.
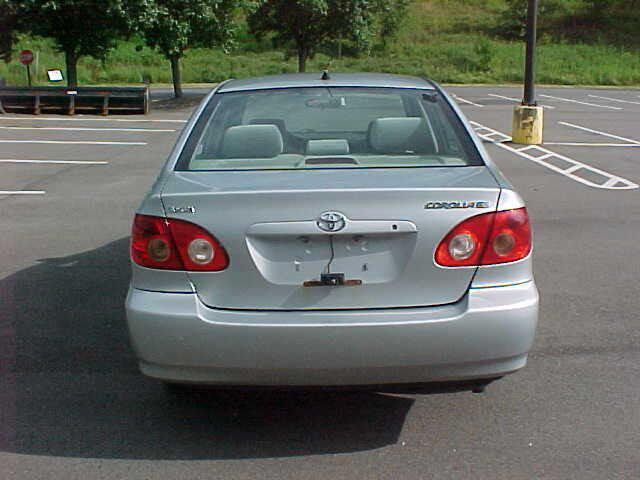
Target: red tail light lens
{"points": [[489, 239], [510, 238], [152, 245], [199, 250], [170, 244]]}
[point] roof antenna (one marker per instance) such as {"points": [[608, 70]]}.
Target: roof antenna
{"points": [[325, 75]]}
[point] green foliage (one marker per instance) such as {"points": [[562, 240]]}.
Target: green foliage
{"points": [[390, 15], [173, 26], [483, 53], [512, 20], [8, 27], [452, 41], [613, 21], [80, 27], [448, 58], [310, 24]]}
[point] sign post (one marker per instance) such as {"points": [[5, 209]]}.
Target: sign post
{"points": [[26, 58], [528, 118]]}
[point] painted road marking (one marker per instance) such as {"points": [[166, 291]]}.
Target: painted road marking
{"points": [[65, 142], [577, 144], [570, 100], [468, 102], [516, 100], [22, 192], [614, 99], [64, 119], [612, 182], [86, 129], [597, 132], [54, 162]]}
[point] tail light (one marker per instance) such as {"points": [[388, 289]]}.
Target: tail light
{"points": [[170, 244], [488, 239]]}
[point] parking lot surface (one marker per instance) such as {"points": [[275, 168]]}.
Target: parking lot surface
{"points": [[73, 405]]}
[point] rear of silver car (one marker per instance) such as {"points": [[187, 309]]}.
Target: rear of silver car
{"points": [[310, 258]]}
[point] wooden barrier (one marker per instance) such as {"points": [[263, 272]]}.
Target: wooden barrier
{"points": [[102, 100]]}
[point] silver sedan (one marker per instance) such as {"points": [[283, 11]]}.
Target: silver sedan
{"points": [[338, 230]]}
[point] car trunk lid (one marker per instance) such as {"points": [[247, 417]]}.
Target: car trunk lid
{"points": [[379, 255]]}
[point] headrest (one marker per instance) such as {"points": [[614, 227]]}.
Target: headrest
{"points": [[252, 141], [395, 135], [278, 122], [327, 147]]}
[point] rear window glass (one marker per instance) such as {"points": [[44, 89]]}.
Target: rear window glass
{"points": [[311, 128]]}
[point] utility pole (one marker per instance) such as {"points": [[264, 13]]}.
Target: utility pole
{"points": [[528, 118], [530, 64]]}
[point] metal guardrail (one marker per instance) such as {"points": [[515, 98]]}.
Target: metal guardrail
{"points": [[102, 100]]}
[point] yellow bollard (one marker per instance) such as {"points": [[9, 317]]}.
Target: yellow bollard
{"points": [[528, 125]]}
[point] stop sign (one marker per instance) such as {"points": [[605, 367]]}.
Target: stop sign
{"points": [[26, 57]]}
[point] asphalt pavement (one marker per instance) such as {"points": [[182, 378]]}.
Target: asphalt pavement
{"points": [[73, 405]]}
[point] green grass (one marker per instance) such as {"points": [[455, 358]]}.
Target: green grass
{"points": [[447, 40]]}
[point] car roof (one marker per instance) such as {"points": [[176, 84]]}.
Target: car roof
{"points": [[335, 80]]}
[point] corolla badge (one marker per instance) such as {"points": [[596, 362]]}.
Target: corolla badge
{"points": [[454, 205], [331, 222]]}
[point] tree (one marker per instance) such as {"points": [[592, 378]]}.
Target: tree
{"points": [[512, 21], [174, 26], [8, 27], [78, 27], [390, 14], [308, 24]]}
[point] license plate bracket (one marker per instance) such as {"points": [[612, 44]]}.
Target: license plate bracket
{"points": [[332, 280]]}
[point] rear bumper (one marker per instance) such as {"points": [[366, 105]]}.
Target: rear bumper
{"points": [[485, 335]]}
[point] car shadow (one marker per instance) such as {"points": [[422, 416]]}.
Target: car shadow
{"points": [[70, 384]]}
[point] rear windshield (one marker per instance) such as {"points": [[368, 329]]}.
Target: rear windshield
{"points": [[319, 128]]}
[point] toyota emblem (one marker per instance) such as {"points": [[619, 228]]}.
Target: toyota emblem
{"points": [[331, 222]]}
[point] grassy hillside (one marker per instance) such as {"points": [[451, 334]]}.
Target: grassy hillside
{"points": [[452, 41]]}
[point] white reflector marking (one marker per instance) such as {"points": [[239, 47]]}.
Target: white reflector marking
{"points": [[54, 162], [572, 144], [63, 142], [614, 99], [570, 100], [597, 132], [517, 100], [468, 102], [86, 129], [22, 192], [83, 119], [612, 182]]}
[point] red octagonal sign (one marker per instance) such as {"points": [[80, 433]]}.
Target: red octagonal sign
{"points": [[26, 57]]}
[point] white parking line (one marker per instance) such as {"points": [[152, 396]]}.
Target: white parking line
{"points": [[570, 100], [63, 142], [468, 102], [578, 144], [54, 162], [614, 99], [86, 129], [597, 132], [83, 119], [613, 182], [22, 192], [516, 100]]}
